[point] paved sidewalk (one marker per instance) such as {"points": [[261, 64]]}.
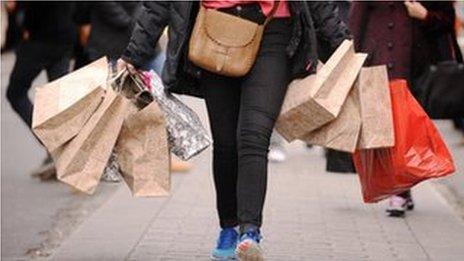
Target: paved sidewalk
{"points": [[309, 215]]}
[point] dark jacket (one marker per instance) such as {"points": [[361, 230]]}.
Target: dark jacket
{"points": [[180, 76], [82, 13], [49, 21], [406, 45], [112, 24]]}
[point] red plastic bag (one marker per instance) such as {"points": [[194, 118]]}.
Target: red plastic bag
{"points": [[419, 152]]}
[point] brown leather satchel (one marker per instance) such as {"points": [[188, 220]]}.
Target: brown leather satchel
{"points": [[226, 44]]}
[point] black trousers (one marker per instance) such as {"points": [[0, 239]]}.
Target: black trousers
{"points": [[31, 58], [242, 112]]}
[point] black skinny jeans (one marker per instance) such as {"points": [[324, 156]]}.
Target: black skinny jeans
{"points": [[31, 58], [242, 112]]}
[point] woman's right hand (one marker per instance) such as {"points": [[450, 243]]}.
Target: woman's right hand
{"points": [[121, 65], [416, 10]]}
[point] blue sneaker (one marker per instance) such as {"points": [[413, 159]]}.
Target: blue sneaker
{"points": [[226, 244], [248, 247]]}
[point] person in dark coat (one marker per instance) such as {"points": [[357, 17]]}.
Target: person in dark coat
{"points": [[337, 161], [242, 110], [111, 25], [48, 34], [82, 20], [408, 37], [408, 42], [12, 23]]}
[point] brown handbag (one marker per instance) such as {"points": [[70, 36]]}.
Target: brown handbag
{"points": [[226, 44]]}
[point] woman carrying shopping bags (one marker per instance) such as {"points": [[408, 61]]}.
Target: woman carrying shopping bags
{"points": [[243, 102], [408, 37]]}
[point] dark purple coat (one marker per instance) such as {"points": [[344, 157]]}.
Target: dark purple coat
{"points": [[385, 31]]}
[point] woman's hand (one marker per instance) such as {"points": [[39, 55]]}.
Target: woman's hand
{"points": [[121, 65], [26, 35], [10, 6], [84, 34], [416, 10]]}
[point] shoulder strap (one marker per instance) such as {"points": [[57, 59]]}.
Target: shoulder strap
{"points": [[273, 11]]}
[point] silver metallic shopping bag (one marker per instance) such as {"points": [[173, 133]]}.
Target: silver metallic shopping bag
{"points": [[186, 135]]}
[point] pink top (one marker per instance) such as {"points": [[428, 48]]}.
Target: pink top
{"points": [[266, 5]]}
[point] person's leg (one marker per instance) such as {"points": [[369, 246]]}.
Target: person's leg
{"points": [[263, 92], [406, 194], [55, 59], [58, 64], [339, 162], [400, 203], [81, 57], [27, 66], [222, 96]]}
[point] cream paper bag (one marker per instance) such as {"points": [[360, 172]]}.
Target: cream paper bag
{"points": [[62, 107], [81, 161], [342, 133], [365, 121], [376, 110], [143, 153], [317, 99]]}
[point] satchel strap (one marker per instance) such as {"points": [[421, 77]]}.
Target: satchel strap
{"points": [[273, 11]]}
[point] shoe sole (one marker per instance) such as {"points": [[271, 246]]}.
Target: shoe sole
{"points": [[214, 258], [249, 251], [396, 213]]}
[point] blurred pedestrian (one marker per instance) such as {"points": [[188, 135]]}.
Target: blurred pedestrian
{"points": [[242, 110], [111, 24], [11, 20], [459, 6], [4, 22], [83, 27], [336, 161], [408, 37], [47, 37]]}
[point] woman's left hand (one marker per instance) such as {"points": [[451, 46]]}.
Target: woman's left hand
{"points": [[416, 10], [121, 65]]}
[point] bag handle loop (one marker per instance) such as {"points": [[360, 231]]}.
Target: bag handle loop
{"points": [[273, 11]]}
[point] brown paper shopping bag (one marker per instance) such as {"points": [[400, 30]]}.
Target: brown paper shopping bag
{"points": [[342, 133], [365, 120], [143, 153], [317, 99], [377, 129], [62, 107], [81, 161]]}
